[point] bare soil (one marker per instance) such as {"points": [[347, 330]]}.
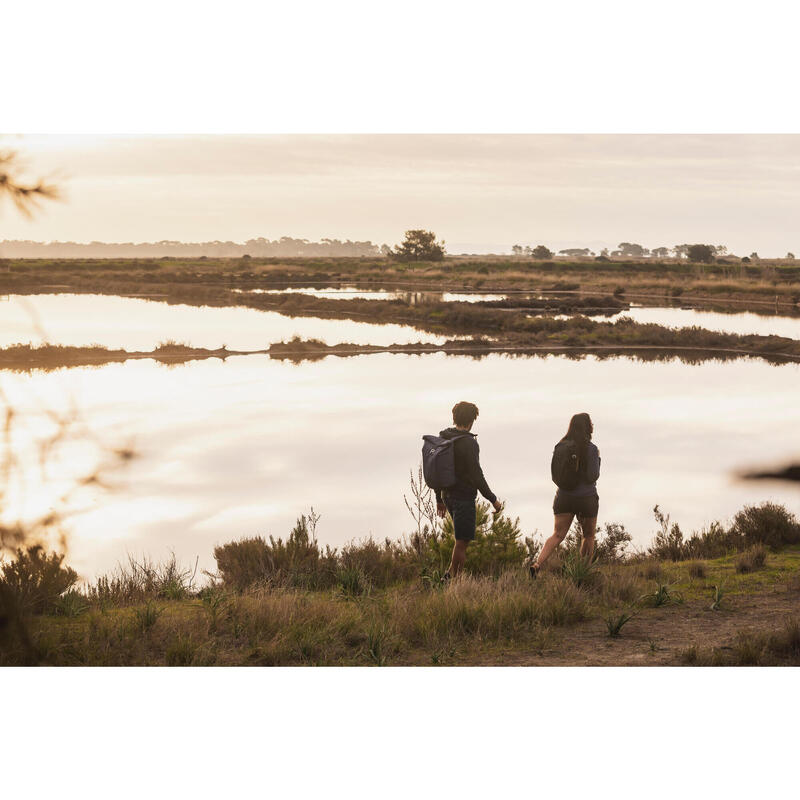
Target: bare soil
{"points": [[656, 636]]}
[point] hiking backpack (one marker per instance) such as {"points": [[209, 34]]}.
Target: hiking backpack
{"points": [[565, 465], [438, 461]]}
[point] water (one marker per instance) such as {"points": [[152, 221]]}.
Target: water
{"points": [[137, 324], [352, 293], [743, 323], [241, 448]]}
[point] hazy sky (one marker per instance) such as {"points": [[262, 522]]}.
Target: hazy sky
{"points": [[478, 192]]}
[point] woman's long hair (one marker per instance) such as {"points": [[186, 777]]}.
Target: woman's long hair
{"points": [[580, 431]]}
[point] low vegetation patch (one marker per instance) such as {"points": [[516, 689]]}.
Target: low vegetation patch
{"points": [[292, 601], [780, 647]]}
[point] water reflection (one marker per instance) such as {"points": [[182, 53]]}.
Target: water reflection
{"points": [[743, 323], [138, 324], [407, 296], [242, 447]]}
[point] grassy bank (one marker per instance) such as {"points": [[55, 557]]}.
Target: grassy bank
{"points": [[735, 283], [292, 602], [490, 331]]}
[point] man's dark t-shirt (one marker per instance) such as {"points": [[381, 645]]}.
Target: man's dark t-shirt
{"points": [[469, 475]]}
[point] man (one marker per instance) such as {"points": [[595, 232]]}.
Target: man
{"points": [[459, 499]]}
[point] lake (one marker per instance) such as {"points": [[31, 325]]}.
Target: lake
{"points": [[138, 324], [242, 447]]}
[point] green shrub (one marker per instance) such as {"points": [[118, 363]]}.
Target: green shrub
{"points": [[36, 580], [668, 543], [769, 524], [299, 561]]}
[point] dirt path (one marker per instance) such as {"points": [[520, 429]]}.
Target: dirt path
{"points": [[657, 636]]}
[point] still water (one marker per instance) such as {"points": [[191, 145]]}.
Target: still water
{"points": [[353, 293], [241, 448], [743, 323], [137, 324]]}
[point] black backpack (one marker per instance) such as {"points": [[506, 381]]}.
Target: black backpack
{"points": [[438, 460], [565, 465]]}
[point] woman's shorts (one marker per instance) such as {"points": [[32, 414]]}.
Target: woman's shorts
{"points": [[580, 506], [463, 514]]}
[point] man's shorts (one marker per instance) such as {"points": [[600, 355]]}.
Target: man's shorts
{"points": [[463, 515], [585, 507]]}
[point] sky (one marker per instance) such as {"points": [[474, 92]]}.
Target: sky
{"points": [[480, 193]]}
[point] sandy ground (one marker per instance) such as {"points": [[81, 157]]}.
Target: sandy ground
{"points": [[657, 636]]}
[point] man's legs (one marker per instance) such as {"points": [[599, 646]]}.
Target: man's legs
{"points": [[459, 557], [463, 514]]}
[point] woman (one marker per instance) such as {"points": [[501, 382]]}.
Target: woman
{"points": [[581, 499]]}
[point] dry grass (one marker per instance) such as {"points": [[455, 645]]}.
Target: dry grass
{"points": [[752, 559], [779, 647]]}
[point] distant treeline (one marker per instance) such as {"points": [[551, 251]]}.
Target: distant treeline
{"points": [[256, 248]]}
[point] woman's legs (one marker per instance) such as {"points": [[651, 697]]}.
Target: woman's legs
{"points": [[560, 530], [588, 529]]}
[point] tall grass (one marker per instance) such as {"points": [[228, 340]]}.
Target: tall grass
{"points": [[140, 580]]}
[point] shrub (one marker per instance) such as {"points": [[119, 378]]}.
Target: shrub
{"points": [[769, 524], [298, 561], [612, 543], [36, 579], [752, 559], [668, 543]]}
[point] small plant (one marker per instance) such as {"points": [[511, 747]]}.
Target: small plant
{"points": [[70, 604], [376, 638], [578, 569], [439, 656], [615, 622], [433, 578], [716, 601], [146, 616], [662, 596]]}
